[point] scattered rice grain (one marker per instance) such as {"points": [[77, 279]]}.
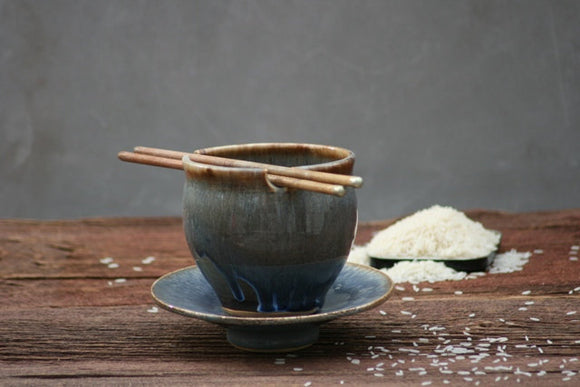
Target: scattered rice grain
{"points": [[106, 260], [148, 260]]}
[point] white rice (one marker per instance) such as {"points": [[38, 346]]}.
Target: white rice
{"points": [[421, 271], [509, 262], [445, 233], [436, 232]]}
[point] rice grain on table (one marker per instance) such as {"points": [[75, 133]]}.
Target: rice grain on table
{"points": [[148, 260], [107, 260]]}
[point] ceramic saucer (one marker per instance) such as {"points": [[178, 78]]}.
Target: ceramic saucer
{"points": [[357, 288]]}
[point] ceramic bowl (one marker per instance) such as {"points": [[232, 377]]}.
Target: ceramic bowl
{"points": [[262, 248]]}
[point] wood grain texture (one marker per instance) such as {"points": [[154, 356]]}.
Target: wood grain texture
{"points": [[66, 320]]}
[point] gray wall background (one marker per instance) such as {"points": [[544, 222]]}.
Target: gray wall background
{"points": [[463, 103]]}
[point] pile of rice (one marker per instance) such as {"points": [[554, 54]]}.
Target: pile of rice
{"points": [[436, 232]]}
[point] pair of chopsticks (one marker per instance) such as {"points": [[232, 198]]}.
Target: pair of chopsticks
{"points": [[290, 177]]}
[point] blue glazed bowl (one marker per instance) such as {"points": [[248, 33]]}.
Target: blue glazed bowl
{"points": [[262, 248]]}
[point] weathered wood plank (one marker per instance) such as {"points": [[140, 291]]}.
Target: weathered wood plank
{"points": [[73, 249]]}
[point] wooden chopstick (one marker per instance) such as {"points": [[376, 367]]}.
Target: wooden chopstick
{"points": [[299, 173], [282, 181]]}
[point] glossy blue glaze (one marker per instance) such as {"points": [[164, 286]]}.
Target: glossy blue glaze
{"points": [[277, 288]]}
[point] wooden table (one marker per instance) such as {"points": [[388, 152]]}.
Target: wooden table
{"points": [[69, 318]]}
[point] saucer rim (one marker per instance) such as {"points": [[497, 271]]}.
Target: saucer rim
{"points": [[228, 320]]}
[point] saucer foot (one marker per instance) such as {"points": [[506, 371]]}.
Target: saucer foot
{"points": [[282, 338]]}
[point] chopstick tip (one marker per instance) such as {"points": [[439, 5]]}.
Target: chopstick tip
{"points": [[338, 190], [122, 155], [356, 181]]}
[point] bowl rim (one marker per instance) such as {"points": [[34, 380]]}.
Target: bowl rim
{"points": [[340, 157]]}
